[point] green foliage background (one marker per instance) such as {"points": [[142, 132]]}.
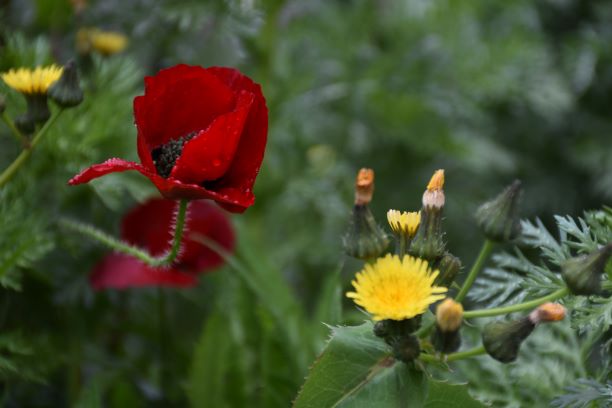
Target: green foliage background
{"points": [[488, 90]]}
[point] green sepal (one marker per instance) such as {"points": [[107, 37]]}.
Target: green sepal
{"points": [[502, 339], [428, 242], [446, 341], [449, 267], [364, 238], [66, 92], [583, 274], [498, 218]]}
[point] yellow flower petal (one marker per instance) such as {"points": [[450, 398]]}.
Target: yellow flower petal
{"points": [[396, 289], [32, 81]]}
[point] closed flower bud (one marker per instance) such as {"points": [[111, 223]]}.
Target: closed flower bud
{"points": [[25, 124], [406, 349], [66, 92], [498, 218], [502, 339], [449, 267], [449, 316], [429, 240], [364, 238], [2, 104], [583, 274]]}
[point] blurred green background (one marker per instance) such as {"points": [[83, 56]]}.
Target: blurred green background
{"points": [[488, 90]]}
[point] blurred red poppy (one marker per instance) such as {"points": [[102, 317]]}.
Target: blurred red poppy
{"points": [[201, 134], [149, 226]]}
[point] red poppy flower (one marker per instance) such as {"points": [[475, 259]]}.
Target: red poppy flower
{"points": [[201, 134], [149, 226]]}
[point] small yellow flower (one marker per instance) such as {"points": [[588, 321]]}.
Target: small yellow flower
{"points": [[32, 81], [404, 223], [396, 289], [105, 42]]}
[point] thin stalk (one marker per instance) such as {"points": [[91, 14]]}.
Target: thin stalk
{"points": [[10, 171], [476, 351], [14, 131], [471, 314], [127, 249], [485, 251]]}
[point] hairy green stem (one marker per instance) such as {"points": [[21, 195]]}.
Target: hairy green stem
{"points": [[10, 171], [485, 251], [127, 249], [14, 131], [471, 314], [476, 351]]}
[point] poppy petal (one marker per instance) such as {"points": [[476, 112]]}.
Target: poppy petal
{"points": [[209, 154], [178, 101], [114, 165], [119, 271], [250, 151]]}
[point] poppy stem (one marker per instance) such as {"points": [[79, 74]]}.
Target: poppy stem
{"points": [[485, 251], [179, 227], [10, 171], [120, 246]]}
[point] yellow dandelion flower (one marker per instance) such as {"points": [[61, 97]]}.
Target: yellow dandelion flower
{"points": [[32, 81], [107, 42], [396, 289], [404, 223]]}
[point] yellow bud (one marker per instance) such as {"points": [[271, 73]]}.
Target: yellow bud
{"points": [[437, 181], [449, 315]]}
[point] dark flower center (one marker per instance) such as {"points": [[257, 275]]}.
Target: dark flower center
{"points": [[166, 155]]}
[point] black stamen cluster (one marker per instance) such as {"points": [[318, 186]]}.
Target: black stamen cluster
{"points": [[166, 155]]}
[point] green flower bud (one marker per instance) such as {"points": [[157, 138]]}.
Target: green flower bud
{"points": [[405, 349], [364, 238], [449, 267], [66, 92], [502, 339], [498, 218], [583, 274], [25, 124]]}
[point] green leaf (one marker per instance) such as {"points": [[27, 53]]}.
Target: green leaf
{"points": [[207, 379], [356, 370], [443, 395]]}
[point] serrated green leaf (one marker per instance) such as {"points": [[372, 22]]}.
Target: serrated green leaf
{"points": [[356, 370]]}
